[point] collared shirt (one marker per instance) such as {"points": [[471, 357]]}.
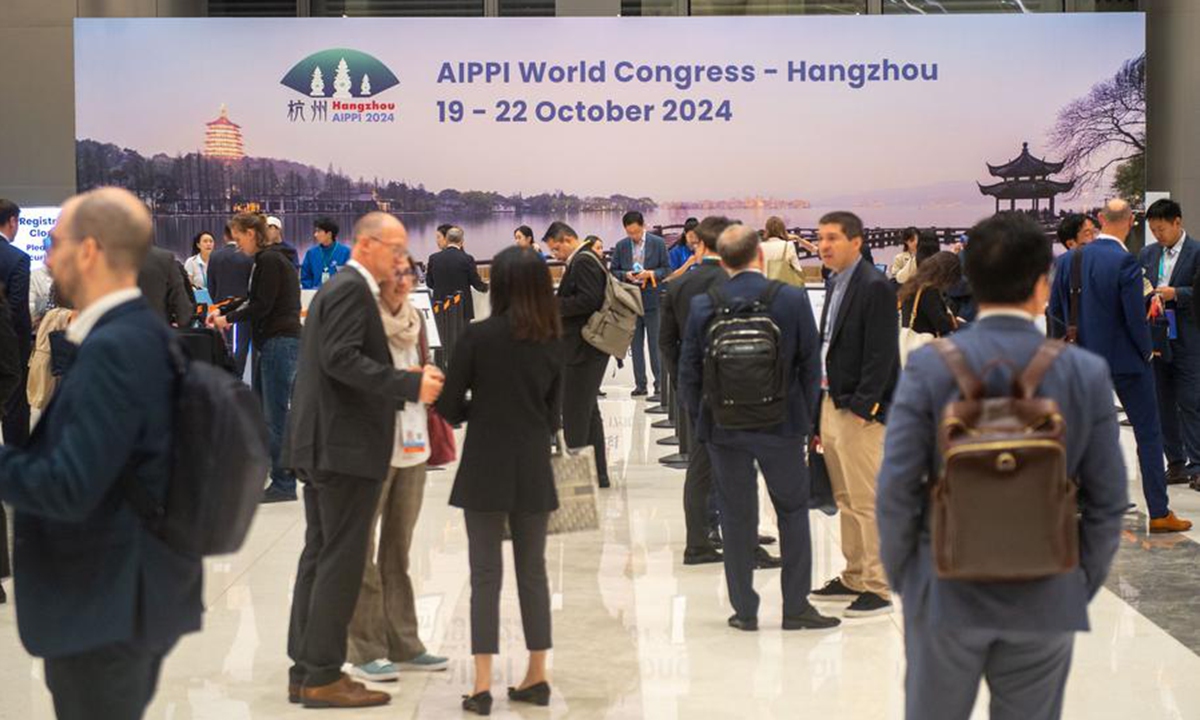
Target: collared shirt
{"points": [[575, 252], [371, 281], [1005, 312], [78, 331], [1166, 264], [1105, 236], [836, 290], [639, 251]]}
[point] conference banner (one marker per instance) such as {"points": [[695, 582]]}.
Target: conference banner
{"points": [[495, 123]]}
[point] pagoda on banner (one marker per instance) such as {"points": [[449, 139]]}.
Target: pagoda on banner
{"points": [[1026, 178], [223, 138]]}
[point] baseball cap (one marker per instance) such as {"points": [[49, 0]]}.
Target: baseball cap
{"points": [[272, 220]]}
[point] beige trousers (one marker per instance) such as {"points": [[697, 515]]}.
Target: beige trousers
{"points": [[853, 454], [385, 618]]}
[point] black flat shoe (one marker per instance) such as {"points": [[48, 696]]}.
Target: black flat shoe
{"points": [[535, 694], [480, 704]]}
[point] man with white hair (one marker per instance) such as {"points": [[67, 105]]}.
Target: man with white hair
{"points": [[101, 597]]}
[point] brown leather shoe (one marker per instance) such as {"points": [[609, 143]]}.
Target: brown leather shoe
{"points": [[1169, 523], [345, 693], [294, 693]]}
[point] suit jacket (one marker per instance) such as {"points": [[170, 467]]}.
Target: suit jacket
{"points": [[1112, 308], [657, 260], [677, 304], [801, 348], [347, 392], [453, 271], [10, 355], [164, 287], [863, 360], [14, 275], [1079, 382], [1182, 277], [229, 273], [88, 573], [581, 293], [516, 393]]}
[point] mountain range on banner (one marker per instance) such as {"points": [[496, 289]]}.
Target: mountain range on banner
{"points": [[340, 73]]}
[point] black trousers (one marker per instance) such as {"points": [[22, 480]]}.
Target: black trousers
{"points": [[114, 682], [338, 510], [15, 423], [697, 491], [582, 422], [781, 462], [485, 540]]}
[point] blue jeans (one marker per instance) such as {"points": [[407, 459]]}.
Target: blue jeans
{"points": [[274, 372], [646, 325]]}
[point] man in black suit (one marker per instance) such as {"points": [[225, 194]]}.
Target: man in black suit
{"points": [[340, 441], [164, 288], [697, 486], [860, 348], [14, 275], [581, 294], [452, 271], [777, 448], [228, 278], [101, 597]]}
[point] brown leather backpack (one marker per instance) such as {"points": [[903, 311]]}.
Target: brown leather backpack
{"points": [[1003, 506]]}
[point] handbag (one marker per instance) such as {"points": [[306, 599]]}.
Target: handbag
{"points": [[820, 494], [575, 481], [910, 339], [443, 449]]}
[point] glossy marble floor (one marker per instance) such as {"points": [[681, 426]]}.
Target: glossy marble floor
{"points": [[638, 635]]}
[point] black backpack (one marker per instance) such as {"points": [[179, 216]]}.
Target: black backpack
{"points": [[745, 380], [219, 463]]}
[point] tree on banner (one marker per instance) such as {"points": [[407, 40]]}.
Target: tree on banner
{"points": [[341, 81], [365, 89], [318, 83]]}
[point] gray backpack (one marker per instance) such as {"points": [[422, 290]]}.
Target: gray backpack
{"points": [[610, 329]]}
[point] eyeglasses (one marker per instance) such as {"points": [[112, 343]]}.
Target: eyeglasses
{"points": [[398, 250]]}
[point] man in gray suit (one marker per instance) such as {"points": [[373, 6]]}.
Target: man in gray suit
{"points": [[1017, 635]]}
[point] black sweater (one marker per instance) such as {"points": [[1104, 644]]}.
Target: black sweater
{"points": [[273, 305], [933, 316]]}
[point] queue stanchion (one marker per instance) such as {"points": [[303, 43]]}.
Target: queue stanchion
{"points": [[678, 460], [668, 401]]}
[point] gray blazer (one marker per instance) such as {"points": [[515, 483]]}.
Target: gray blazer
{"points": [[1079, 382]]}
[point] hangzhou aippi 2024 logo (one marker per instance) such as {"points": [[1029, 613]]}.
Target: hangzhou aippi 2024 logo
{"points": [[340, 86]]}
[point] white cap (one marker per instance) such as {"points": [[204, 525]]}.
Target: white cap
{"points": [[274, 221]]}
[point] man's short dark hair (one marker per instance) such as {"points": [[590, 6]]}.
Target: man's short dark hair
{"points": [[327, 225], [1068, 229], [633, 217], [559, 231], [444, 228], [1165, 209], [710, 228], [850, 223], [8, 210], [526, 232], [1007, 256]]}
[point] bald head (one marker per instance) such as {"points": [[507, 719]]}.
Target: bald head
{"points": [[380, 245], [118, 222], [738, 247], [1116, 219], [376, 225]]}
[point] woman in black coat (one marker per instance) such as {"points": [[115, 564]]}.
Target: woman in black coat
{"points": [[925, 292], [511, 364]]}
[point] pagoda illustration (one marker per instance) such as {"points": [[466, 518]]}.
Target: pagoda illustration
{"points": [[223, 138], [1026, 178]]}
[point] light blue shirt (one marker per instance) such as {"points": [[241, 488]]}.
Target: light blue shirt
{"points": [[840, 281]]}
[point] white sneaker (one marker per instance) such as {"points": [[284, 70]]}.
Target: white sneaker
{"points": [[376, 671]]}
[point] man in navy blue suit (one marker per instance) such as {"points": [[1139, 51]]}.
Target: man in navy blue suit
{"points": [[99, 596], [642, 259], [14, 276], [1170, 265], [778, 450], [1112, 324], [1017, 635]]}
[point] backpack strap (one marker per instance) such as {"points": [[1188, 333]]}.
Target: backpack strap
{"points": [[969, 383], [1029, 380], [768, 295], [1075, 297]]}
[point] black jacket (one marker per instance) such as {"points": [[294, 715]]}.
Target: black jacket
{"points": [[273, 304], [933, 315], [164, 287], [580, 294], [513, 413], [697, 281], [863, 360], [453, 271], [347, 392], [10, 356], [229, 273]]}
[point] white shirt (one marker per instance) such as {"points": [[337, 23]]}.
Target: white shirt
{"points": [[1115, 239], [197, 271], [412, 423], [371, 282], [78, 331], [1005, 312], [1170, 256]]}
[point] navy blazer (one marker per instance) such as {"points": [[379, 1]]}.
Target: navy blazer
{"points": [[14, 276], [657, 260], [1112, 308], [801, 344], [1080, 383], [88, 573], [1182, 277]]}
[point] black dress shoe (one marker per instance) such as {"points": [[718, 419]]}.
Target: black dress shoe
{"points": [[534, 694], [810, 619], [274, 495], [1195, 484], [714, 538], [3, 595], [702, 557], [480, 704], [640, 392], [766, 540], [743, 624], [1177, 474], [654, 398], [763, 560]]}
